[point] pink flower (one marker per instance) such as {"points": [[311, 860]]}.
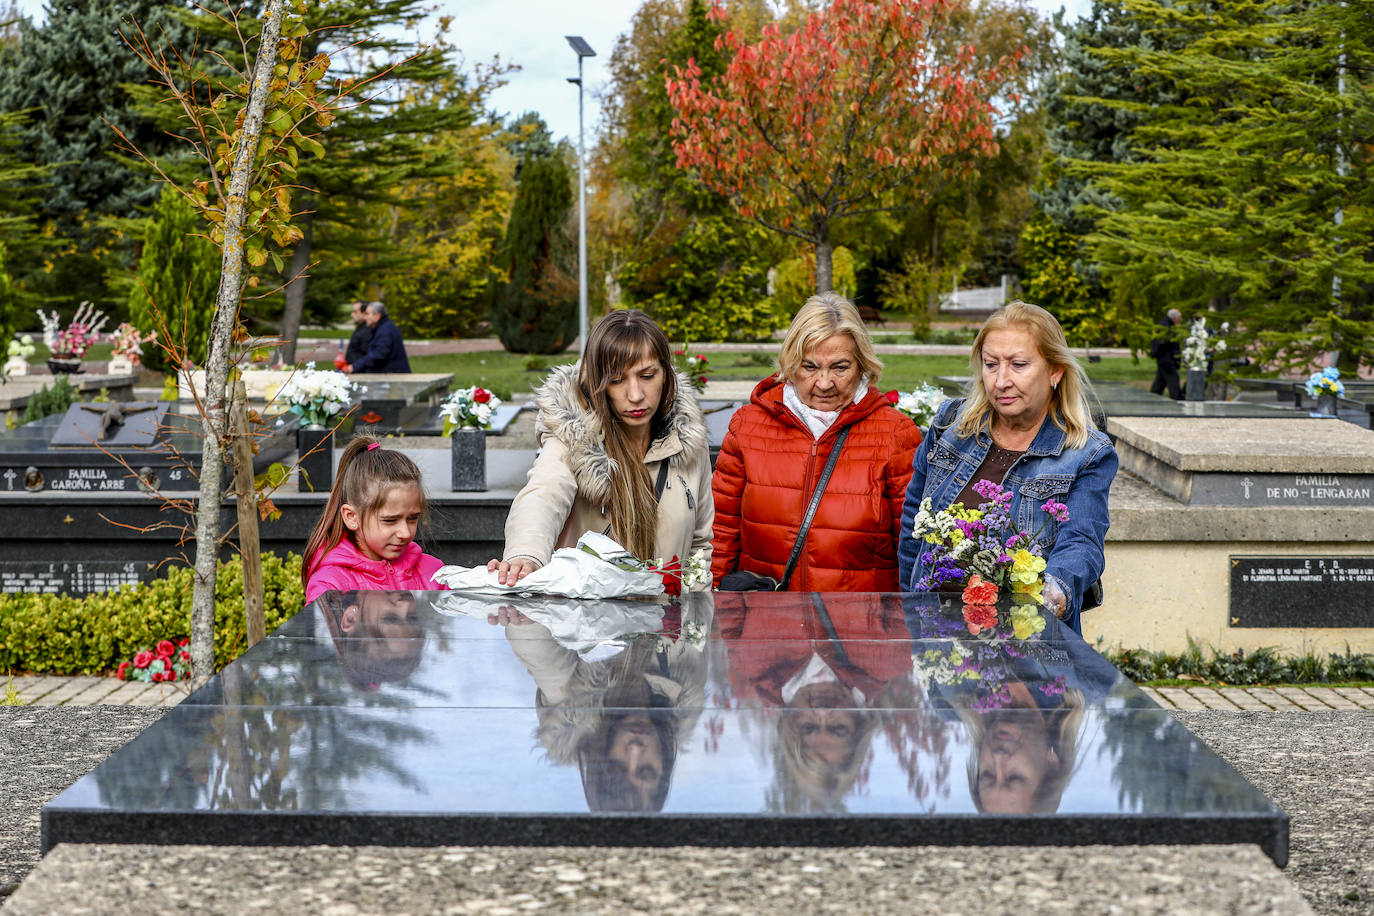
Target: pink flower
{"points": [[1058, 511], [143, 659]]}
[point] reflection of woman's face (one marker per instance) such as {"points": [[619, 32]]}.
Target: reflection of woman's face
{"points": [[634, 748], [1013, 761], [826, 721]]}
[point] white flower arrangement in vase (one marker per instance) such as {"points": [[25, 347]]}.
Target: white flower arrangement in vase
{"points": [[471, 408], [920, 404], [316, 395], [19, 351]]}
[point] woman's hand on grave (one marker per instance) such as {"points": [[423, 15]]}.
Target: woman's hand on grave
{"points": [[506, 616], [509, 572], [1056, 599]]}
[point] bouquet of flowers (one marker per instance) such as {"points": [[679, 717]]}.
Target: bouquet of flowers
{"points": [[694, 367], [128, 342], [1196, 351], [167, 661], [1327, 381], [468, 407], [981, 550], [76, 338], [920, 405], [318, 394], [18, 353]]}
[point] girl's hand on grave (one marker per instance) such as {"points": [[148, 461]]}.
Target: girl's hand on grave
{"points": [[511, 572]]}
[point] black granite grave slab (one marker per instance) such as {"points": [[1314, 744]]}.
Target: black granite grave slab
{"points": [[399, 718]]}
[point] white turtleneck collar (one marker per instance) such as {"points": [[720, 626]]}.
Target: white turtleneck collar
{"points": [[818, 421]]}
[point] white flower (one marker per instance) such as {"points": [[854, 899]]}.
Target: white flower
{"points": [[461, 408], [921, 404]]}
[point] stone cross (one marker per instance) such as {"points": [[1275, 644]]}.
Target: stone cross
{"points": [[10, 478]]}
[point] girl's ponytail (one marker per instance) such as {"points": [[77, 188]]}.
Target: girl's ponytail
{"points": [[330, 530]]}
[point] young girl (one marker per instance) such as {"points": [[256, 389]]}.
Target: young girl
{"points": [[366, 537]]}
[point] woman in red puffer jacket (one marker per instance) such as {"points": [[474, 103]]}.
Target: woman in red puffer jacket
{"points": [[776, 450]]}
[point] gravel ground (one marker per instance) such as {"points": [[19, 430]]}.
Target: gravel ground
{"points": [[1315, 765]]}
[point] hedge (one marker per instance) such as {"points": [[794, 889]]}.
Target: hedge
{"points": [[63, 634]]}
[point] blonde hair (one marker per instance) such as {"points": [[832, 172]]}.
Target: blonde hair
{"points": [[822, 317], [1064, 724], [614, 345], [1069, 408]]}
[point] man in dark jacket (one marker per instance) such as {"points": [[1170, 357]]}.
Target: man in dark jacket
{"points": [[1166, 352], [362, 334], [386, 352]]}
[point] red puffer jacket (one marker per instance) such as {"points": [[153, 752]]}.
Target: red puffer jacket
{"points": [[764, 476]]}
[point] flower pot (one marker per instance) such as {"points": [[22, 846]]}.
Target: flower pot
{"points": [[1197, 385], [1326, 405], [315, 464], [469, 459], [120, 365], [64, 364]]}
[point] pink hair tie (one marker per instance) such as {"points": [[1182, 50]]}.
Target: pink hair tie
{"points": [[372, 445]]}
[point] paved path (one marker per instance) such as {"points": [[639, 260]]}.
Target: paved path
{"points": [[106, 691]]}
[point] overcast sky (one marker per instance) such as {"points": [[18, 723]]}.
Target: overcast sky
{"points": [[531, 33]]}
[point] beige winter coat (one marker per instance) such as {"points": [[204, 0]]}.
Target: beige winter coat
{"points": [[569, 484]]}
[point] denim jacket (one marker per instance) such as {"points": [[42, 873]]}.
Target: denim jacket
{"points": [[1077, 477]]}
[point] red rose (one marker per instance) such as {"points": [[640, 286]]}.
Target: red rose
{"points": [[169, 676], [143, 659], [166, 648], [184, 643], [672, 577], [157, 676], [980, 591], [893, 397], [980, 617], [702, 379], [701, 359], [123, 672], [679, 352], [481, 395], [185, 656]]}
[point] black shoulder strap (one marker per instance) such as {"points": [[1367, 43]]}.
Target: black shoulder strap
{"points": [[662, 479], [816, 495]]}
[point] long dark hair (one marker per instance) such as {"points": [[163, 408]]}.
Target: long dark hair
{"points": [[366, 472], [615, 344]]}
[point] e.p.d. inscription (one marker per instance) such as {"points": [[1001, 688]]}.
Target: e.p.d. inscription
{"points": [[1307, 592]]}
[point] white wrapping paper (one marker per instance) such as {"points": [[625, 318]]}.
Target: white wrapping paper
{"points": [[571, 572]]}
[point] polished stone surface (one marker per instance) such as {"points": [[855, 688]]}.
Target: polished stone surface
{"points": [[401, 718]]}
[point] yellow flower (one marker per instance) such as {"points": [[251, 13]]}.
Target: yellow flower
{"points": [[1028, 590], [1026, 621]]}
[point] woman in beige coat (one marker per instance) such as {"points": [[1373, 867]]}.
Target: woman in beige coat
{"points": [[623, 452]]}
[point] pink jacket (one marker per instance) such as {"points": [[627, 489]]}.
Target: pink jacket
{"points": [[345, 568]]}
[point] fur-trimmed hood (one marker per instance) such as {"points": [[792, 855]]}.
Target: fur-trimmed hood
{"points": [[562, 416]]}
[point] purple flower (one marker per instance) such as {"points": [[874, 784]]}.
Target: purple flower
{"points": [[988, 489], [1054, 686], [1058, 511]]}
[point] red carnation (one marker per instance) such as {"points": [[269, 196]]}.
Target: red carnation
{"points": [[980, 617], [980, 591], [893, 397], [143, 659], [123, 672], [481, 395], [166, 649]]}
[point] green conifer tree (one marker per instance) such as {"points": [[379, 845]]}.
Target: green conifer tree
{"points": [[178, 277], [535, 305]]}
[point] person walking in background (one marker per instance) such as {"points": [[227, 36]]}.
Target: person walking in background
{"points": [[386, 352], [362, 334], [1166, 353], [778, 445]]}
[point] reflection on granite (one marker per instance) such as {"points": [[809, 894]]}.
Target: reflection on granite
{"points": [[400, 717]]}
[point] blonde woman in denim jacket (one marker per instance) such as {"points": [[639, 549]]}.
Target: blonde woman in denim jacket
{"points": [[1026, 424]]}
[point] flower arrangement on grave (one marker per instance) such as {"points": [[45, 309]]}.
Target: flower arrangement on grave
{"points": [[919, 404], [1327, 381], [76, 338], [166, 661], [128, 342], [468, 408], [1196, 350], [316, 395], [982, 551], [677, 574], [694, 367], [18, 353]]}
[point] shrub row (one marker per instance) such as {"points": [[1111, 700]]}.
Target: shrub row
{"points": [[93, 634], [1260, 666]]}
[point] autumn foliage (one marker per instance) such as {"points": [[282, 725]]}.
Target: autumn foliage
{"points": [[867, 106]]}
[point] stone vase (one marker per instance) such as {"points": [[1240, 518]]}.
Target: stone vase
{"points": [[469, 459], [1326, 405], [15, 366], [120, 365], [315, 464], [1197, 385]]}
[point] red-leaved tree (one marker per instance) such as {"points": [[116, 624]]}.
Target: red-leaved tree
{"points": [[868, 106]]}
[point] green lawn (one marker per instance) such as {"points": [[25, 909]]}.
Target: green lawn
{"points": [[506, 373]]}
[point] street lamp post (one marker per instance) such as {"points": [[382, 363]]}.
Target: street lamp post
{"points": [[582, 50]]}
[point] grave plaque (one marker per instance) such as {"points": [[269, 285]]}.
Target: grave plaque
{"points": [[72, 578], [1282, 490], [420, 719], [1304, 592]]}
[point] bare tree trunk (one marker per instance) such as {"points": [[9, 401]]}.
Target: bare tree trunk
{"points": [[255, 624], [217, 363], [295, 290], [825, 256]]}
